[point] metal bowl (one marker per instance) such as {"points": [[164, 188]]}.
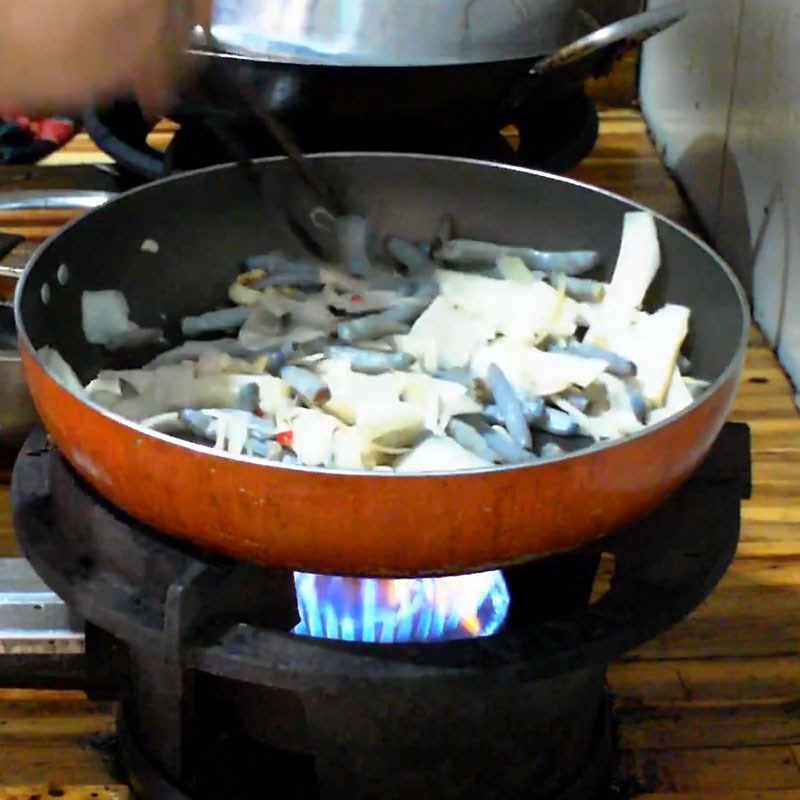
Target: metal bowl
{"points": [[17, 413]]}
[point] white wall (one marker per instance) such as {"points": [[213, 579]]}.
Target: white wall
{"points": [[722, 94], [686, 84]]}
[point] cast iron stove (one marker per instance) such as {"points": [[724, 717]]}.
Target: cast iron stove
{"points": [[225, 692], [553, 138]]}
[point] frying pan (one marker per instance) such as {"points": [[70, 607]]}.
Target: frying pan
{"points": [[349, 523]]}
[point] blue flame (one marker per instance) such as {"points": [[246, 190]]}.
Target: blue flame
{"points": [[402, 610]]}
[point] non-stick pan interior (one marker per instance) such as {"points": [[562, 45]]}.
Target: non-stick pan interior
{"points": [[206, 223]]}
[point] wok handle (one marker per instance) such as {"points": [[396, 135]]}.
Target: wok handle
{"points": [[43, 200], [630, 31], [625, 33]]}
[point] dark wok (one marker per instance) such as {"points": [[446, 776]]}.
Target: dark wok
{"points": [[355, 523], [465, 89], [328, 106]]}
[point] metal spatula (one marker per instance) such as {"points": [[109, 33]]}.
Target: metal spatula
{"points": [[218, 78]]}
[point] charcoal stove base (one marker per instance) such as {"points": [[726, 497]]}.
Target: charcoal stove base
{"points": [[220, 699], [250, 767]]}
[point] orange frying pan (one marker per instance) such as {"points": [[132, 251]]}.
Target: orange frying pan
{"points": [[344, 523]]}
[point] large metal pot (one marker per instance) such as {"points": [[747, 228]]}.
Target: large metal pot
{"points": [[443, 84], [17, 413], [464, 58], [394, 33]]}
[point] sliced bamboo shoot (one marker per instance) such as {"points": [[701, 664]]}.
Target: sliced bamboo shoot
{"points": [[653, 345], [513, 269], [637, 264], [439, 453], [523, 313], [447, 334], [678, 398], [55, 364], [535, 373], [312, 436]]}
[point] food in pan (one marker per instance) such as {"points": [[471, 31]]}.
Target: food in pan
{"points": [[421, 358]]}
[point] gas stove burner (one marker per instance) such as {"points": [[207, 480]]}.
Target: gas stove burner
{"points": [[220, 689], [553, 137], [401, 610]]}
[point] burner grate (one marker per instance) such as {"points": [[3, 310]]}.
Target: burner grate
{"points": [[568, 136]]}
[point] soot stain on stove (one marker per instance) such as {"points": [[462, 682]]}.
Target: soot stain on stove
{"points": [[106, 746]]}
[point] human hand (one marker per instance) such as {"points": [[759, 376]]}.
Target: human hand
{"points": [[63, 55]]}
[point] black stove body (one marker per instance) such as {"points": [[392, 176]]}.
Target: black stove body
{"points": [[553, 137], [219, 699]]}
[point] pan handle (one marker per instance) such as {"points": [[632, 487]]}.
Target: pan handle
{"points": [[625, 33], [43, 200]]}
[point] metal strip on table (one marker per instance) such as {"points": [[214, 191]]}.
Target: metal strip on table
{"points": [[33, 619]]}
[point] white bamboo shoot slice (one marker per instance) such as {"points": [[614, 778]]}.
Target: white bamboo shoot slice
{"points": [[348, 449], [637, 264], [438, 400], [524, 313], [620, 413], [313, 436], [59, 369], [678, 398], [535, 373], [105, 316], [438, 454], [514, 269], [393, 425], [447, 332], [653, 344]]}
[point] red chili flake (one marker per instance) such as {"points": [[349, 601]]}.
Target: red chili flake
{"points": [[356, 298], [284, 438]]}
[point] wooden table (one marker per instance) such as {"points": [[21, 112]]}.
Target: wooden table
{"points": [[709, 711]]}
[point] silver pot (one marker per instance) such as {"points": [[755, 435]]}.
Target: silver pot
{"points": [[406, 33], [17, 413], [398, 61], [394, 32]]}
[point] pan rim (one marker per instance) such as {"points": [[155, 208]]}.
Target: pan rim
{"points": [[277, 59], [591, 450]]}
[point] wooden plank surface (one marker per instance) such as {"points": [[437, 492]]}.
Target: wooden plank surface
{"points": [[711, 770], [744, 794], [708, 711]]}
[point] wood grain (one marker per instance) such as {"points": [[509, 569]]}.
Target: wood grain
{"points": [[708, 711], [81, 792], [744, 794], [711, 770]]}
